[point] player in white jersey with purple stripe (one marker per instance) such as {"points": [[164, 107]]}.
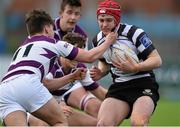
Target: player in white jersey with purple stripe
{"points": [[21, 89], [77, 96], [70, 13]]}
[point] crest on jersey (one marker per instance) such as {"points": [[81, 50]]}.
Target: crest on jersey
{"points": [[145, 41]]}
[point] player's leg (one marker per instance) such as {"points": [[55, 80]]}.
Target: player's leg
{"points": [[78, 118], [81, 99], [91, 104], [142, 110], [11, 110], [112, 112], [51, 113], [16, 118], [74, 117]]}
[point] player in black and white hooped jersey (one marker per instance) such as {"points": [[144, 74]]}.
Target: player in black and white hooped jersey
{"points": [[21, 89], [133, 95]]}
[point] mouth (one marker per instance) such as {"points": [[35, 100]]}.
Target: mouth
{"points": [[72, 23]]}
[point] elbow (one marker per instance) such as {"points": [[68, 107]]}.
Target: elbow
{"points": [[159, 63]]}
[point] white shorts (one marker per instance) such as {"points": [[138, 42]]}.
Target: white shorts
{"points": [[77, 84], [24, 92]]}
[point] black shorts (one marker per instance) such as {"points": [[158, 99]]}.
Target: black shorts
{"points": [[130, 91]]}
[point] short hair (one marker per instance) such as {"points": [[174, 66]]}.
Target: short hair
{"points": [[74, 3], [75, 38], [36, 20]]}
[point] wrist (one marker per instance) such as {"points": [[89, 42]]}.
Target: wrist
{"points": [[71, 77], [137, 68]]}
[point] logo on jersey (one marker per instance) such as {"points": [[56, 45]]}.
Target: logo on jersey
{"points": [[145, 41], [66, 45], [147, 92], [102, 11]]}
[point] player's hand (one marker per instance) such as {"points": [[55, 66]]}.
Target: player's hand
{"points": [[95, 73], [68, 111], [79, 73], [126, 65], [111, 37]]}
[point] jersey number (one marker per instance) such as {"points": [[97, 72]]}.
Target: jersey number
{"points": [[26, 52]]}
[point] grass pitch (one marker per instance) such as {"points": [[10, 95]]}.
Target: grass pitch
{"points": [[167, 114]]}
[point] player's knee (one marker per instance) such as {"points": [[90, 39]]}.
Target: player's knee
{"points": [[105, 122], [139, 120]]}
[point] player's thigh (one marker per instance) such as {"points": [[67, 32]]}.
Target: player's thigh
{"points": [[93, 105], [76, 96], [143, 107], [116, 109], [50, 113], [16, 118]]}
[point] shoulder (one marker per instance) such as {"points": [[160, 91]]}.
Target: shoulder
{"points": [[126, 29]]}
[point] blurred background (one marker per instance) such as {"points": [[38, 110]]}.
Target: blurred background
{"points": [[160, 19]]}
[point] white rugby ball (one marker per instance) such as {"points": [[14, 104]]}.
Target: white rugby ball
{"points": [[118, 51]]}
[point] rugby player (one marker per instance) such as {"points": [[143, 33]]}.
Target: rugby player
{"points": [[135, 95], [21, 89]]}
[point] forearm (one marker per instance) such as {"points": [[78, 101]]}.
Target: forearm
{"points": [[104, 67], [152, 62], [56, 83], [97, 52]]}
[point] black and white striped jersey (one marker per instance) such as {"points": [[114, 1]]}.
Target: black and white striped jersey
{"points": [[138, 41]]}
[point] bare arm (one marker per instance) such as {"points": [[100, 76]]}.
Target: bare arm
{"points": [[153, 61], [56, 83], [97, 52], [100, 71]]}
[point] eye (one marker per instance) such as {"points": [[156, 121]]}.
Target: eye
{"points": [[101, 20]]}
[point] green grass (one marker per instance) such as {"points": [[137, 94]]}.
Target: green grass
{"points": [[0, 122], [167, 114]]}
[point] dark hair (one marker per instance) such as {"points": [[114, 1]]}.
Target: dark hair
{"points": [[75, 38], [76, 3], [36, 20]]}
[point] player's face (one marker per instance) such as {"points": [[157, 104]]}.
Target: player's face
{"points": [[69, 17], [106, 23]]}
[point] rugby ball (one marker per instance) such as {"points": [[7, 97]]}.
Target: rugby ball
{"points": [[118, 51]]}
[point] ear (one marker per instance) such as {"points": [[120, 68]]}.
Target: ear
{"points": [[46, 29]]}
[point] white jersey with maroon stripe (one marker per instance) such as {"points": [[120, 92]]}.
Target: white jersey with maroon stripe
{"points": [[37, 55]]}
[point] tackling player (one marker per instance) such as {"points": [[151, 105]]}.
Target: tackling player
{"points": [[70, 13], [21, 89], [65, 72]]}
